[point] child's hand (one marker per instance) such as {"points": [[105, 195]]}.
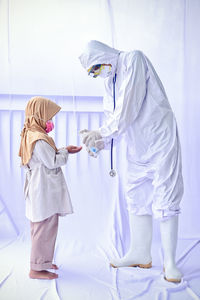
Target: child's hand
{"points": [[73, 149]]}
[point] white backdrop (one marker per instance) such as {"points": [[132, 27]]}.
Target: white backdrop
{"points": [[40, 42]]}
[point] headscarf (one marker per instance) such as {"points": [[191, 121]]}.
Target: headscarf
{"points": [[38, 111]]}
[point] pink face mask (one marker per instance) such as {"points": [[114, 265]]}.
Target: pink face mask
{"points": [[49, 126]]}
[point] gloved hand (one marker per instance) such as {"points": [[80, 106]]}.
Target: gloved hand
{"points": [[92, 139], [90, 136]]}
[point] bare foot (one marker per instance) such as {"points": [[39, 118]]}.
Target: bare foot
{"points": [[55, 267], [42, 275]]}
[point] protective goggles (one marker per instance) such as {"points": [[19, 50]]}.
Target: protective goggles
{"points": [[95, 70]]}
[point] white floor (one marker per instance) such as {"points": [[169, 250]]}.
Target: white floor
{"points": [[88, 276]]}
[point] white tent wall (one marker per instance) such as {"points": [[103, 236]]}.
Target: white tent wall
{"points": [[40, 42]]}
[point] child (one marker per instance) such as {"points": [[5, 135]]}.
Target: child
{"points": [[45, 189]]}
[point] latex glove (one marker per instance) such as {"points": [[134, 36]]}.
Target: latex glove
{"points": [[93, 151], [99, 144], [92, 139], [90, 136]]}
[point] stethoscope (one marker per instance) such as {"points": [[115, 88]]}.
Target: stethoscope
{"points": [[112, 172]]}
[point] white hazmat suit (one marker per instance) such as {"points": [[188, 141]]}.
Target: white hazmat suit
{"points": [[143, 113]]}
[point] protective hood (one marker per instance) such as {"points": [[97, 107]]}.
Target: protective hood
{"points": [[99, 53]]}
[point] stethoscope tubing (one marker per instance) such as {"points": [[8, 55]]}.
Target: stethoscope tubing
{"points": [[112, 172]]}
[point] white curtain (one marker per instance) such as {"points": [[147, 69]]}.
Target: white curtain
{"points": [[40, 42]]}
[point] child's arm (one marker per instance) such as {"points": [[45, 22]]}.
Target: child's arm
{"points": [[73, 149], [48, 156]]}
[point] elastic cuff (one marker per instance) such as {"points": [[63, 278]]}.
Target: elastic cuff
{"points": [[105, 139], [63, 150], [163, 215], [41, 267]]}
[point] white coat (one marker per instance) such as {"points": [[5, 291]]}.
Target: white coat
{"points": [[45, 188], [143, 113]]}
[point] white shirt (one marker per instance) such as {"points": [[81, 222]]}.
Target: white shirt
{"points": [[45, 188]]}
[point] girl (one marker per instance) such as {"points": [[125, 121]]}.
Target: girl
{"points": [[45, 189]]}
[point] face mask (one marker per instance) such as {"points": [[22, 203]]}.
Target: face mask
{"points": [[49, 126], [105, 71]]}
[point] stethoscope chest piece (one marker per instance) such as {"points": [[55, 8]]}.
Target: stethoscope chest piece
{"points": [[112, 173]]}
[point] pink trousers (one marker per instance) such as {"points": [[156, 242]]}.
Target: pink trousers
{"points": [[43, 236]]}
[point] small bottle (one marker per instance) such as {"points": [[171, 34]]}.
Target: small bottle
{"points": [[94, 151]]}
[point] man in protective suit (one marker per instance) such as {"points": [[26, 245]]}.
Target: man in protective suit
{"points": [[154, 175]]}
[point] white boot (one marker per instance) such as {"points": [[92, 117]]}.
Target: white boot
{"points": [[169, 232], [139, 254]]}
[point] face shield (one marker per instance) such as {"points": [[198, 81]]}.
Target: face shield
{"points": [[101, 70]]}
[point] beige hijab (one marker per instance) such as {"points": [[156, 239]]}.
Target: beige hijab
{"points": [[38, 111]]}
